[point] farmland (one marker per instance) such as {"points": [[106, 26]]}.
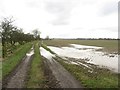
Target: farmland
{"points": [[110, 46], [100, 77]]}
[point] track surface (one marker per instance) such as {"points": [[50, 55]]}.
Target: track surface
{"points": [[65, 79], [18, 79]]}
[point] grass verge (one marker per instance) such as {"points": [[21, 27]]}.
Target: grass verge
{"points": [[10, 62], [36, 77], [44, 46], [99, 78]]}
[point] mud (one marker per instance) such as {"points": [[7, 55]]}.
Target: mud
{"points": [[62, 78], [17, 78], [51, 81]]}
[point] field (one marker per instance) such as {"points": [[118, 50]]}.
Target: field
{"points": [[100, 77], [109, 45]]}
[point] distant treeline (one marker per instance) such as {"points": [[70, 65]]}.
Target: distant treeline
{"points": [[97, 39], [82, 39]]}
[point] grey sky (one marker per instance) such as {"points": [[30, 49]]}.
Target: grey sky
{"points": [[65, 18], [109, 8]]}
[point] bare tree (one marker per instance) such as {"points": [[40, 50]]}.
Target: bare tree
{"points": [[36, 33]]}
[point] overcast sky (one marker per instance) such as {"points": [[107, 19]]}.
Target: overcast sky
{"points": [[64, 18]]}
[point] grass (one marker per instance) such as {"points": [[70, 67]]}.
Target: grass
{"points": [[0, 50], [10, 62], [109, 45], [0, 61], [44, 46], [36, 77], [99, 78], [0, 70]]}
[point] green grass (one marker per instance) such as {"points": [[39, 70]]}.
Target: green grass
{"points": [[99, 78], [0, 61], [44, 46], [0, 50], [0, 70], [109, 45], [10, 62], [36, 77]]}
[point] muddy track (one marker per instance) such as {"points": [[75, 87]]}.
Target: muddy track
{"points": [[17, 78], [51, 81], [63, 78]]}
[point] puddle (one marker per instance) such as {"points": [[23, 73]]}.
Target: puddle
{"points": [[46, 53], [84, 47], [89, 52], [68, 52], [31, 52], [29, 55], [74, 63]]}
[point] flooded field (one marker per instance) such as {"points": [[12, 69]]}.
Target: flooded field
{"points": [[84, 55]]}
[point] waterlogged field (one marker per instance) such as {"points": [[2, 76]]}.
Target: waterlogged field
{"points": [[92, 62], [110, 46]]}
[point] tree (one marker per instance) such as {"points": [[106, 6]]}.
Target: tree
{"points": [[6, 30], [11, 34], [47, 38], [36, 34]]}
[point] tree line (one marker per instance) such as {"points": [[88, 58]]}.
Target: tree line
{"points": [[12, 36]]}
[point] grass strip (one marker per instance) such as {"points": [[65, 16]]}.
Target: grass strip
{"points": [[9, 63], [36, 77], [45, 47]]}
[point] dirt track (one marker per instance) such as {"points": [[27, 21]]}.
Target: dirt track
{"points": [[57, 75], [52, 82], [17, 79], [64, 78]]}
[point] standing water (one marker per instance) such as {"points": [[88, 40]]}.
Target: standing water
{"points": [[89, 54]]}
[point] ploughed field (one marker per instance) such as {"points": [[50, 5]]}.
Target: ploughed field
{"points": [[93, 62]]}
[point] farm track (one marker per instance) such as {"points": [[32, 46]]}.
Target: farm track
{"points": [[17, 78], [52, 82], [63, 77], [56, 74]]}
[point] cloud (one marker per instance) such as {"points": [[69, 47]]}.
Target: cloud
{"points": [[110, 29], [33, 3], [64, 18], [61, 9], [109, 8]]}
